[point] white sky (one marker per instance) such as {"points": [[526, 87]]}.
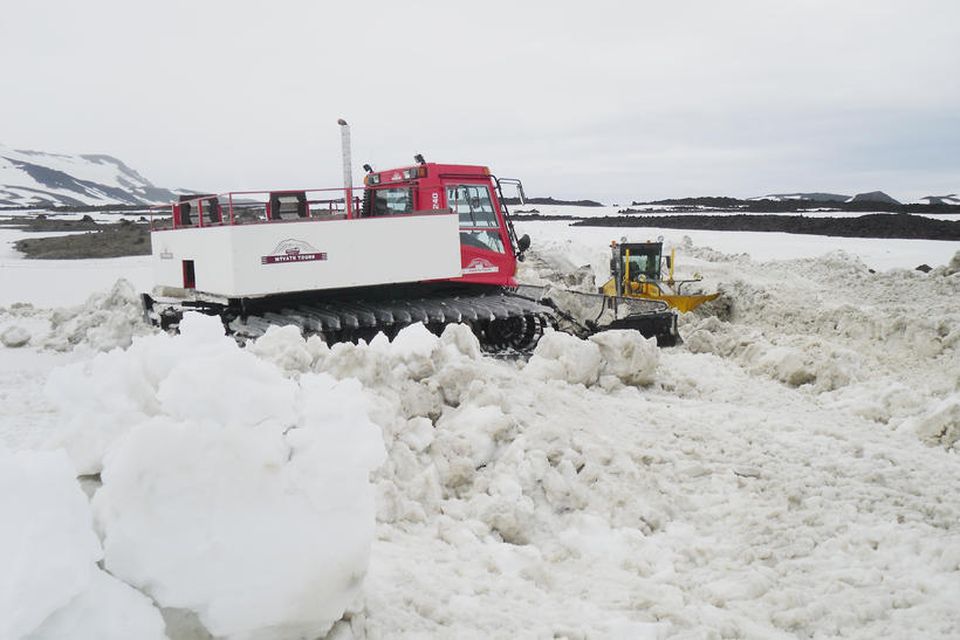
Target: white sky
{"points": [[603, 99]]}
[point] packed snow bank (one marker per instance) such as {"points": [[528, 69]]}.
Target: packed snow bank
{"points": [[767, 483], [229, 489], [107, 320], [709, 499], [50, 585], [884, 345]]}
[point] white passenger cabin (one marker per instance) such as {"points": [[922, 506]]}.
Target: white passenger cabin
{"points": [[289, 245]]}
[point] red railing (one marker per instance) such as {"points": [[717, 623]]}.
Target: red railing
{"points": [[255, 207]]}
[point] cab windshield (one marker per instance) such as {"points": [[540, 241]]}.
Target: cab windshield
{"points": [[644, 265], [478, 221]]}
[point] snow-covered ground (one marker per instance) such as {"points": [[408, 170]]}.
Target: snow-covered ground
{"points": [[656, 209], [788, 472]]}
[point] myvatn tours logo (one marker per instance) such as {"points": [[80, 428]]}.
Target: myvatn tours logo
{"points": [[479, 265], [292, 250]]}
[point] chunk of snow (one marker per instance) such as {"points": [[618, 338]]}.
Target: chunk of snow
{"points": [[48, 549], [940, 424], [14, 337], [285, 347], [106, 610], [560, 356], [259, 537], [628, 356]]}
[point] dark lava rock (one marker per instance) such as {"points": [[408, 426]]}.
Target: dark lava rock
{"points": [[876, 225]]}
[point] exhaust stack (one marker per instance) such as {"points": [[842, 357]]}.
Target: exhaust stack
{"points": [[347, 171]]}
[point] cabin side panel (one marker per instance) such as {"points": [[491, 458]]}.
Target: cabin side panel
{"points": [[283, 257]]}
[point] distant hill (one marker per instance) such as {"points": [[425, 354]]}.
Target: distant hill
{"points": [[950, 198], [873, 225], [874, 196], [40, 179], [863, 202]]}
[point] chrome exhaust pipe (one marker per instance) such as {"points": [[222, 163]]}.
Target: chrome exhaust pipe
{"points": [[347, 170]]}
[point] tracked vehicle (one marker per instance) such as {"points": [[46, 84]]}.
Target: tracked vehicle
{"points": [[430, 243]]}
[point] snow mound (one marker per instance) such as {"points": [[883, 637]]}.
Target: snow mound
{"points": [[229, 488], [262, 535], [107, 320], [104, 322], [50, 585], [48, 549], [199, 374], [832, 327]]}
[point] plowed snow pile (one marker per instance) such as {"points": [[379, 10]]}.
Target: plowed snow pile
{"points": [[789, 472]]}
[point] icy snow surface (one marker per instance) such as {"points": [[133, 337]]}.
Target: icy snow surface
{"points": [[788, 472]]}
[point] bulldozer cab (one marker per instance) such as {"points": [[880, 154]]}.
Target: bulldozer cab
{"points": [[635, 263], [641, 260], [634, 268]]}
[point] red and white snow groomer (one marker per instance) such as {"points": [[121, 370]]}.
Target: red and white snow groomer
{"points": [[430, 243]]}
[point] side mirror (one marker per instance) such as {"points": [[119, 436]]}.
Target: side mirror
{"points": [[523, 197], [669, 261], [523, 243]]}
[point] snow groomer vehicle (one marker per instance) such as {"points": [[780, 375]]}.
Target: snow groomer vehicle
{"points": [[430, 243]]}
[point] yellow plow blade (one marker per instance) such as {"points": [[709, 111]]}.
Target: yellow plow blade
{"points": [[688, 303]]}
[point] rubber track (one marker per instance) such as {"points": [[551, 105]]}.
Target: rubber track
{"points": [[493, 318]]}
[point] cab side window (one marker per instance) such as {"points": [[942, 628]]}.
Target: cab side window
{"points": [[391, 202]]}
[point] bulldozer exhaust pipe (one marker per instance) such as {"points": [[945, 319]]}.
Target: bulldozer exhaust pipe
{"points": [[347, 170]]}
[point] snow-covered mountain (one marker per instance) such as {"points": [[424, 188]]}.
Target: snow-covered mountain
{"points": [[831, 198], [37, 178], [950, 198]]}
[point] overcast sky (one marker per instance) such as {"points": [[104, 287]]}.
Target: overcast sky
{"points": [[594, 98]]}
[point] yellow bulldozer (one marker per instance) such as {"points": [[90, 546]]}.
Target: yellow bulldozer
{"points": [[636, 272]]}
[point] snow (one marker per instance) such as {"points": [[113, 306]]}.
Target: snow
{"points": [[107, 609], [51, 586], [787, 472], [625, 356], [659, 209], [48, 549], [590, 245], [249, 503], [48, 283]]}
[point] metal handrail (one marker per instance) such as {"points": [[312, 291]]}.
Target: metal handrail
{"points": [[233, 206]]}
